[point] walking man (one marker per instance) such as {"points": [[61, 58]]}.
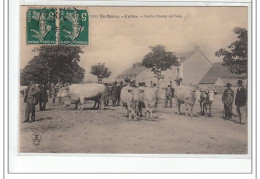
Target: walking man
{"points": [[31, 100], [227, 99], [240, 101]]}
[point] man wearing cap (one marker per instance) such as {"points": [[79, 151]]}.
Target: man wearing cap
{"points": [[227, 99], [240, 101], [31, 100]]}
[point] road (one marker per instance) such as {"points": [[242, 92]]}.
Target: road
{"points": [[108, 131]]}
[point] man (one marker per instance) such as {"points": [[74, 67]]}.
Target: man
{"points": [[119, 88], [240, 101], [52, 92], [114, 94], [169, 95], [227, 99], [43, 97], [31, 100]]}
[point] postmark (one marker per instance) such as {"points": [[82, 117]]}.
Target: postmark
{"points": [[41, 26], [73, 26]]}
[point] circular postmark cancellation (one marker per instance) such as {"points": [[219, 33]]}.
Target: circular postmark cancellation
{"points": [[36, 138], [73, 26], [57, 26], [41, 26]]}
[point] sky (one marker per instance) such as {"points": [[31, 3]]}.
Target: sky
{"points": [[120, 42]]}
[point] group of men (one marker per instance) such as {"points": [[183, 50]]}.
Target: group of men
{"points": [[38, 94], [240, 101], [113, 93]]}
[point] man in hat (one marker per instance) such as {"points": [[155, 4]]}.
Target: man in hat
{"points": [[227, 99], [31, 100], [240, 101]]}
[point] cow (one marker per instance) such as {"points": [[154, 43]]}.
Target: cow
{"points": [[206, 100], [88, 91], [147, 98], [186, 95], [126, 97]]}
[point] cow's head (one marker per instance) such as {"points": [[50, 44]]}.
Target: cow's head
{"points": [[196, 94], [211, 93], [135, 92], [161, 94], [64, 92]]}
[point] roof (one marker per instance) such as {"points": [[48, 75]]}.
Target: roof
{"points": [[218, 70], [185, 55], [131, 72], [209, 80]]}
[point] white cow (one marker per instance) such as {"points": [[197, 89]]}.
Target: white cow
{"points": [[186, 95], [88, 91], [147, 98], [126, 97]]}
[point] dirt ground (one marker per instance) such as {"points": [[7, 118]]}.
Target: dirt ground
{"points": [[108, 131]]}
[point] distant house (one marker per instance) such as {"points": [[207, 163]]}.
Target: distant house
{"points": [[139, 73], [218, 76], [194, 66]]}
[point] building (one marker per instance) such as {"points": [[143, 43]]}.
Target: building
{"points": [[139, 73], [218, 76], [194, 66]]}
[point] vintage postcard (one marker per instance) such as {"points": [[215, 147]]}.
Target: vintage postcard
{"points": [[134, 80]]}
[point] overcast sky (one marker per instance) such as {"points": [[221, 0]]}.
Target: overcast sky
{"points": [[121, 42]]}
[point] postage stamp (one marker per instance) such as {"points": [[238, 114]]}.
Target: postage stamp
{"points": [[41, 26], [73, 26]]}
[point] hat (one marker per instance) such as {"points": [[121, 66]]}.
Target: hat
{"points": [[228, 85], [239, 82]]}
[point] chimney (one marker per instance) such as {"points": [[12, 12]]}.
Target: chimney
{"points": [[197, 48]]}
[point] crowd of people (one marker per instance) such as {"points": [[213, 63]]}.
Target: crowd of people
{"points": [[40, 94]]}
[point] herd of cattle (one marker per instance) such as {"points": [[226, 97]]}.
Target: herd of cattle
{"points": [[138, 101]]}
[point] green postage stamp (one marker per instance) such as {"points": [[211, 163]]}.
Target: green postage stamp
{"points": [[64, 26]]}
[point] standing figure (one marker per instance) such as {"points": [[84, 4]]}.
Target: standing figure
{"points": [[227, 99], [106, 94], [31, 100], [169, 95], [119, 88], [43, 97], [240, 101], [114, 94], [52, 93]]}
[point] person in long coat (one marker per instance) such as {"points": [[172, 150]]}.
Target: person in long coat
{"points": [[241, 101], [114, 94], [31, 100], [43, 97], [227, 99]]}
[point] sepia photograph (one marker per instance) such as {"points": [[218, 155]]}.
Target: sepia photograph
{"points": [[134, 80]]}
